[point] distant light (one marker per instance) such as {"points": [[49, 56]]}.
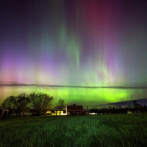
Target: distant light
{"points": [[92, 113]]}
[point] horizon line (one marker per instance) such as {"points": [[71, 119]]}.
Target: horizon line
{"points": [[72, 86]]}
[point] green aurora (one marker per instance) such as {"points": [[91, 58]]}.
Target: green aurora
{"points": [[80, 96]]}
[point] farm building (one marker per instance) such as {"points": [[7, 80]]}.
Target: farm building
{"points": [[69, 110], [3, 113], [76, 110]]}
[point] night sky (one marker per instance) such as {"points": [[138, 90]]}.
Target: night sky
{"points": [[74, 42]]}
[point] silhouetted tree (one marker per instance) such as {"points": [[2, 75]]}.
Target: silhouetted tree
{"points": [[9, 103], [27, 109], [145, 108], [41, 102], [110, 107], [60, 105], [21, 101], [134, 103], [137, 106], [113, 107], [92, 110]]}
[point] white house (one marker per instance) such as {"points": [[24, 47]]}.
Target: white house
{"points": [[57, 110]]}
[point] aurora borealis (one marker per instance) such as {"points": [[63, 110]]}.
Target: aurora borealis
{"points": [[75, 43]]}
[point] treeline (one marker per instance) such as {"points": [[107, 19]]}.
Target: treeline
{"points": [[40, 102], [135, 108]]}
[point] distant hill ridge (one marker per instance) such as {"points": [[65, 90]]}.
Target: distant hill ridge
{"points": [[46, 85]]}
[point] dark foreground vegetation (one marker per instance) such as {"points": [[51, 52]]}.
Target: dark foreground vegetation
{"points": [[79, 131], [135, 108], [33, 103], [41, 102]]}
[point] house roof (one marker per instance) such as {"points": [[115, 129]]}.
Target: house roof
{"points": [[75, 108]]}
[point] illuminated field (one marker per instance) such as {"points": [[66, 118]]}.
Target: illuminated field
{"points": [[65, 131]]}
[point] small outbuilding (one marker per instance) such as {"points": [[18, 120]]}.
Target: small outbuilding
{"points": [[3, 113], [129, 112]]}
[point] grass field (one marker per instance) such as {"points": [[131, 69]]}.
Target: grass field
{"points": [[79, 131]]}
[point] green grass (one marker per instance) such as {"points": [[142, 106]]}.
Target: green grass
{"points": [[79, 131]]}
